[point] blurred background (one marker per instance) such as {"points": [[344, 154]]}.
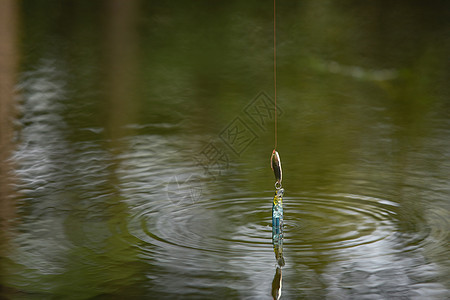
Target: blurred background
{"points": [[136, 135]]}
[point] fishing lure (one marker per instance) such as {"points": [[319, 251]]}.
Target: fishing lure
{"points": [[275, 164], [277, 226]]}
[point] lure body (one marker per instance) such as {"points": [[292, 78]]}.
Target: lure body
{"points": [[277, 226], [275, 164]]}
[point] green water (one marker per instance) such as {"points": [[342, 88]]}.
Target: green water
{"points": [[136, 137]]}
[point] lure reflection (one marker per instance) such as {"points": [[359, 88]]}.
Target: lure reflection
{"points": [[276, 284]]}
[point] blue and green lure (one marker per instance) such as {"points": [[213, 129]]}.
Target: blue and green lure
{"points": [[277, 226], [277, 209]]}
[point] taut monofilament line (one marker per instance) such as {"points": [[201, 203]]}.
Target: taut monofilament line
{"points": [[275, 162], [275, 65]]}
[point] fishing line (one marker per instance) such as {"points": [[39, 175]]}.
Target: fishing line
{"points": [[275, 162], [275, 65]]}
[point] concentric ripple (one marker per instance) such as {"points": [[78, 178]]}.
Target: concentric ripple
{"points": [[325, 222], [242, 223]]}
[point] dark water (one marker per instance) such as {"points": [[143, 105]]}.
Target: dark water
{"points": [[136, 137]]}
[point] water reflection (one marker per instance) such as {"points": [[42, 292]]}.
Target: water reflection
{"points": [[121, 57], [9, 69]]}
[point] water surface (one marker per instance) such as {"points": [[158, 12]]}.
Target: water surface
{"points": [[135, 150]]}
